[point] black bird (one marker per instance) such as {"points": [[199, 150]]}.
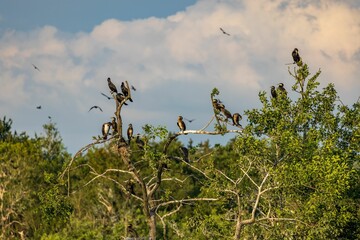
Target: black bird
{"points": [[95, 107], [114, 125], [222, 30], [112, 86], [282, 89], [189, 120], [181, 124], [236, 117], [38, 107], [125, 90], [273, 92], [133, 88], [120, 97], [131, 231], [296, 57], [36, 67], [106, 96], [185, 153], [140, 143], [105, 129], [130, 132]]}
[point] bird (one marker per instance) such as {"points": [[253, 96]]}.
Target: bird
{"points": [[273, 92], [133, 88], [38, 107], [236, 117], [226, 113], [112, 86], [181, 124], [105, 129], [95, 107], [222, 30], [130, 186], [282, 89], [130, 132], [185, 153], [189, 120], [120, 97], [36, 68], [217, 104], [106, 96], [296, 57], [114, 125], [125, 90], [140, 143]]}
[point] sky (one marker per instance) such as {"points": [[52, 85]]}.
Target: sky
{"points": [[173, 52]]}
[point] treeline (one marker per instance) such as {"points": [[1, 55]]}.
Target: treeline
{"points": [[291, 172]]}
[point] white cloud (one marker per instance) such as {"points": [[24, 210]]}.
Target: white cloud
{"points": [[182, 57]]}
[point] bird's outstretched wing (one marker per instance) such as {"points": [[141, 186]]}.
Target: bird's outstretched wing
{"points": [[106, 96], [189, 120], [223, 31], [95, 107]]}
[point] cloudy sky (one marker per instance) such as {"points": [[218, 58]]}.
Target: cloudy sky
{"points": [[172, 52]]}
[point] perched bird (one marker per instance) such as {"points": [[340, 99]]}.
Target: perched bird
{"points": [[273, 92], [105, 129], [125, 91], [217, 104], [120, 97], [114, 125], [282, 89], [106, 96], [38, 107], [133, 88], [296, 57], [226, 113], [140, 143], [181, 124], [112, 86], [236, 117], [222, 30], [36, 68], [185, 153], [130, 132], [131, 231], [130, 186], [95, 107], [189, 120]]}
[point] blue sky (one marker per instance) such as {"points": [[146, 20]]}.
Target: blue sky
{"points": [[173, 53]]}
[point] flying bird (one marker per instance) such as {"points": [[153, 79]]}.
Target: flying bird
{"points": [[106, 96], [296, 57], [185, 153], [105, 129], [38, 107], [112, 86], [189, 120], [125, 90], [140, 143], [95, 107], [181, 124], [133, 88], [222, 30], [282, 89], [36, 68], [236, 117], [130, 132], [273, 92]]}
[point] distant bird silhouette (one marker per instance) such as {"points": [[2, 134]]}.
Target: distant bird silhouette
{"points": [[282, 89], [140, 143], [273, 92], [36, 68], [120, 97], [133, 88], [106, 96], [189, 120], [236, 117], [223, 31], [105, 129], [185, 153], [95, 107], [125, 91], [130, 132], [296, 57], [112, 86], [38, 107], [181, 124]]}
